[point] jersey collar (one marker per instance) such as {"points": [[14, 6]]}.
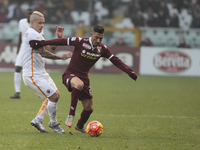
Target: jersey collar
{"points": [[90, 40]]}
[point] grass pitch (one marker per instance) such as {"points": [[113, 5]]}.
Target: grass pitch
{"points": [[153, 113]]}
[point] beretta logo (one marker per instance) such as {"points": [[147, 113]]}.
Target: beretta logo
{"points": [[172, 61]]}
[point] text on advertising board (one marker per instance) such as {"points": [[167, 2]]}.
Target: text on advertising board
{"points": [[172, 61]]}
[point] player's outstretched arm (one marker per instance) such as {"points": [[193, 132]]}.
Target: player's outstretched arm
{"points": [[118, 63], [49, 55], [35, 44]]}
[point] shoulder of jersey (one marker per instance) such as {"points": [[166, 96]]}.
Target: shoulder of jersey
{"points": [[31, 31], [85, 39], [23, 20], [104, 46]]}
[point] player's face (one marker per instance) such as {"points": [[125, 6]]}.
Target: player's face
{"points": [[96, 38], [38, 24]]}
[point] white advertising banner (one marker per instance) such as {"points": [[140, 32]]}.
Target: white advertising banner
{"points": [[169, 61]]}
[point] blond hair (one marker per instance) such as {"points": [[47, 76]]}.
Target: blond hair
{"points": [[36, 14]]}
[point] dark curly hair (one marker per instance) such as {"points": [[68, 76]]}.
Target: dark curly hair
{"points": [[98, 29]]}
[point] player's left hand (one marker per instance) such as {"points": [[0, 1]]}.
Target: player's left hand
{"points": [[133, 75], [59, 31]]}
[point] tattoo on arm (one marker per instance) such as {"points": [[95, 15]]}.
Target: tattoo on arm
{"points": [[47, 54], [53, 48]]}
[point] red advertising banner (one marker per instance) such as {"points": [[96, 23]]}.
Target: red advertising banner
{"points": [[130, 56]]}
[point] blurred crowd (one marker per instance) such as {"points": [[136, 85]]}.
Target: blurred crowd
{"points": [[150, 13]]}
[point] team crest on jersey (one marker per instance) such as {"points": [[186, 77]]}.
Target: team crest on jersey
{"points": [[99, 48], [87, 46], [73, 38], [26, 34]]}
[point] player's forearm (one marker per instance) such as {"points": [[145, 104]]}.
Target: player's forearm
{"points": [[50, 48], [47, 54], [37, 44], [19, 42], [62, 41], [118, 63]]}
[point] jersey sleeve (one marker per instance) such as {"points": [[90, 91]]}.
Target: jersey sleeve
{"points": [[107, 53], [34, 36], [73, 41]]}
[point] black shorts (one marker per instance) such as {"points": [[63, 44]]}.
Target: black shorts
{"points": [[86, 91]]}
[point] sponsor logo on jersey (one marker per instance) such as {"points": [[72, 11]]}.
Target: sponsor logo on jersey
{"points": [[172, 61], [99, 49], [87, 46], [86, 39], [90, 55], [38, 37], [73, 38]]}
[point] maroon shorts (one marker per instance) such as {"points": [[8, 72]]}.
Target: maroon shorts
{"points": [[86, 91]]}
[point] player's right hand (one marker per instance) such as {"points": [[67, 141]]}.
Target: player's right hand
{"points": [[35, 44], [66, 55]]}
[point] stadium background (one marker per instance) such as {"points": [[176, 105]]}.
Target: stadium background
{"points": [[131, 26]]}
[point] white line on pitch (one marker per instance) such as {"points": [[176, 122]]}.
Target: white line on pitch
{"points": [[107, 115]]}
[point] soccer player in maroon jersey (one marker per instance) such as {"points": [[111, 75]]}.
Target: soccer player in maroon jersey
{"points": [[86, 53]]}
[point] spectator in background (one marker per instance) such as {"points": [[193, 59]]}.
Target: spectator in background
{"points": [[106, 22], [120, 42], [67, 17], [80, 5], [178, 4], [151, 19], [64, 12], [3, 14], [131, 9], [69, 4], [194, 8], [143, 5], [40, 6], [164, 8], [146, 42], [196, 21], [183, 44], [174, 21], [161, 20], [138, 20], [18, 14], [154, 5], [94, 18]]}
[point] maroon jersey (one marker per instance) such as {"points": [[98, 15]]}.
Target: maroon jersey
{"points": [[85, 55]]}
